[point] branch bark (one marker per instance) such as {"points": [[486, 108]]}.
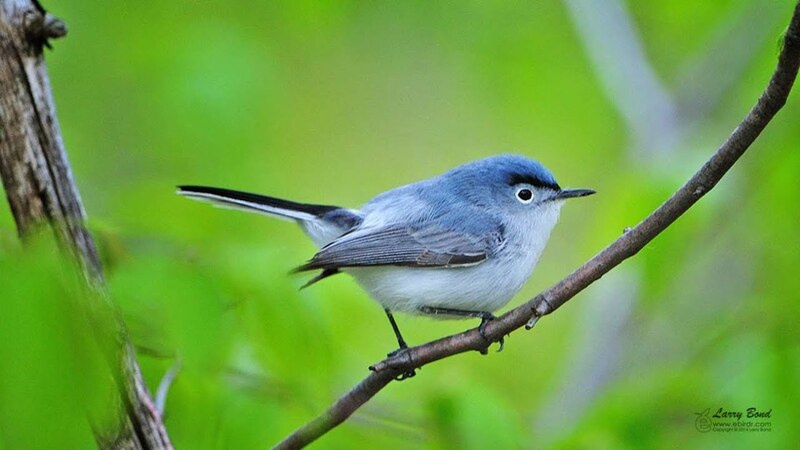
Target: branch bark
{"points": [[769, 103], [41, 190]]}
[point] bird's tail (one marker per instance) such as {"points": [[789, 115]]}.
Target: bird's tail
{"points": [[256, 203]]}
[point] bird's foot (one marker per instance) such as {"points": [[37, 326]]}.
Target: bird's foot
{"points": [[403, 347], [396, 353], [485, 319]]}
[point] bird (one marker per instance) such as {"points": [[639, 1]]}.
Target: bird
{"points": [[458, 245]]}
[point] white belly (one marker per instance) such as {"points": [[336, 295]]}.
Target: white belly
{"points": [[484, 287]]}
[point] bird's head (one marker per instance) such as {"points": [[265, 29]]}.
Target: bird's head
{"points": [[511, 184]]}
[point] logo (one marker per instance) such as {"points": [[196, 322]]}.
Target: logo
{"points": [[703, 422], [730, 420]]}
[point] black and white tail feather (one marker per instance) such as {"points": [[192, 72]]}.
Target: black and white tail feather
{"points": [[322, 223], [263, 204]]}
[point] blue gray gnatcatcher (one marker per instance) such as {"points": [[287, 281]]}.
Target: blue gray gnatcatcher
{"points": [[457, 245]]}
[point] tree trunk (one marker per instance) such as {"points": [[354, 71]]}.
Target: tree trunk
{"points": [[41, 191]]}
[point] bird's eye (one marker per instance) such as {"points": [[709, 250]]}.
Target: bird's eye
{"points": [[524, 195]]}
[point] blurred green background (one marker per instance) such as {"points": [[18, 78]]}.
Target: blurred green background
{"points": [[333, 102]]}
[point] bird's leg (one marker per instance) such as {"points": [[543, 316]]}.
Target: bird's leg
{"points": [[485, 317], [401, 342]]}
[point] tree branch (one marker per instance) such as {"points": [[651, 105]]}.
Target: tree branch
{"points": [[769, 103], [40, 189]]}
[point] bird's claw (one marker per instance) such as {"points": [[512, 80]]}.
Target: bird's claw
{"points": [[482, 330], [405, 375]]}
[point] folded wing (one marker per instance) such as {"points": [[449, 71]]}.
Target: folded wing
{"points": [[430, 246]]}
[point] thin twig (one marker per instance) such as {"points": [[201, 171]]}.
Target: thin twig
{"points": [[769, 103], [160, 399]]}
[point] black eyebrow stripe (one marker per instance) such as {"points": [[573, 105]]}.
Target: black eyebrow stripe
{"points": [[517, 178]]}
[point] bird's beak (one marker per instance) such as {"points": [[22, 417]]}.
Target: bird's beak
{"points": [[572, 193]]}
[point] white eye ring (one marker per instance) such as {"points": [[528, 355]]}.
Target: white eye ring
{"points": [[524, 195]]}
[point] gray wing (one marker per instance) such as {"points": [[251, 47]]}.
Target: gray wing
{"points": [[431, 246]]}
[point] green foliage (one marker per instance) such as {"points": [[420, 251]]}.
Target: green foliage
{"points": [[333, 102], [56, 385]]}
